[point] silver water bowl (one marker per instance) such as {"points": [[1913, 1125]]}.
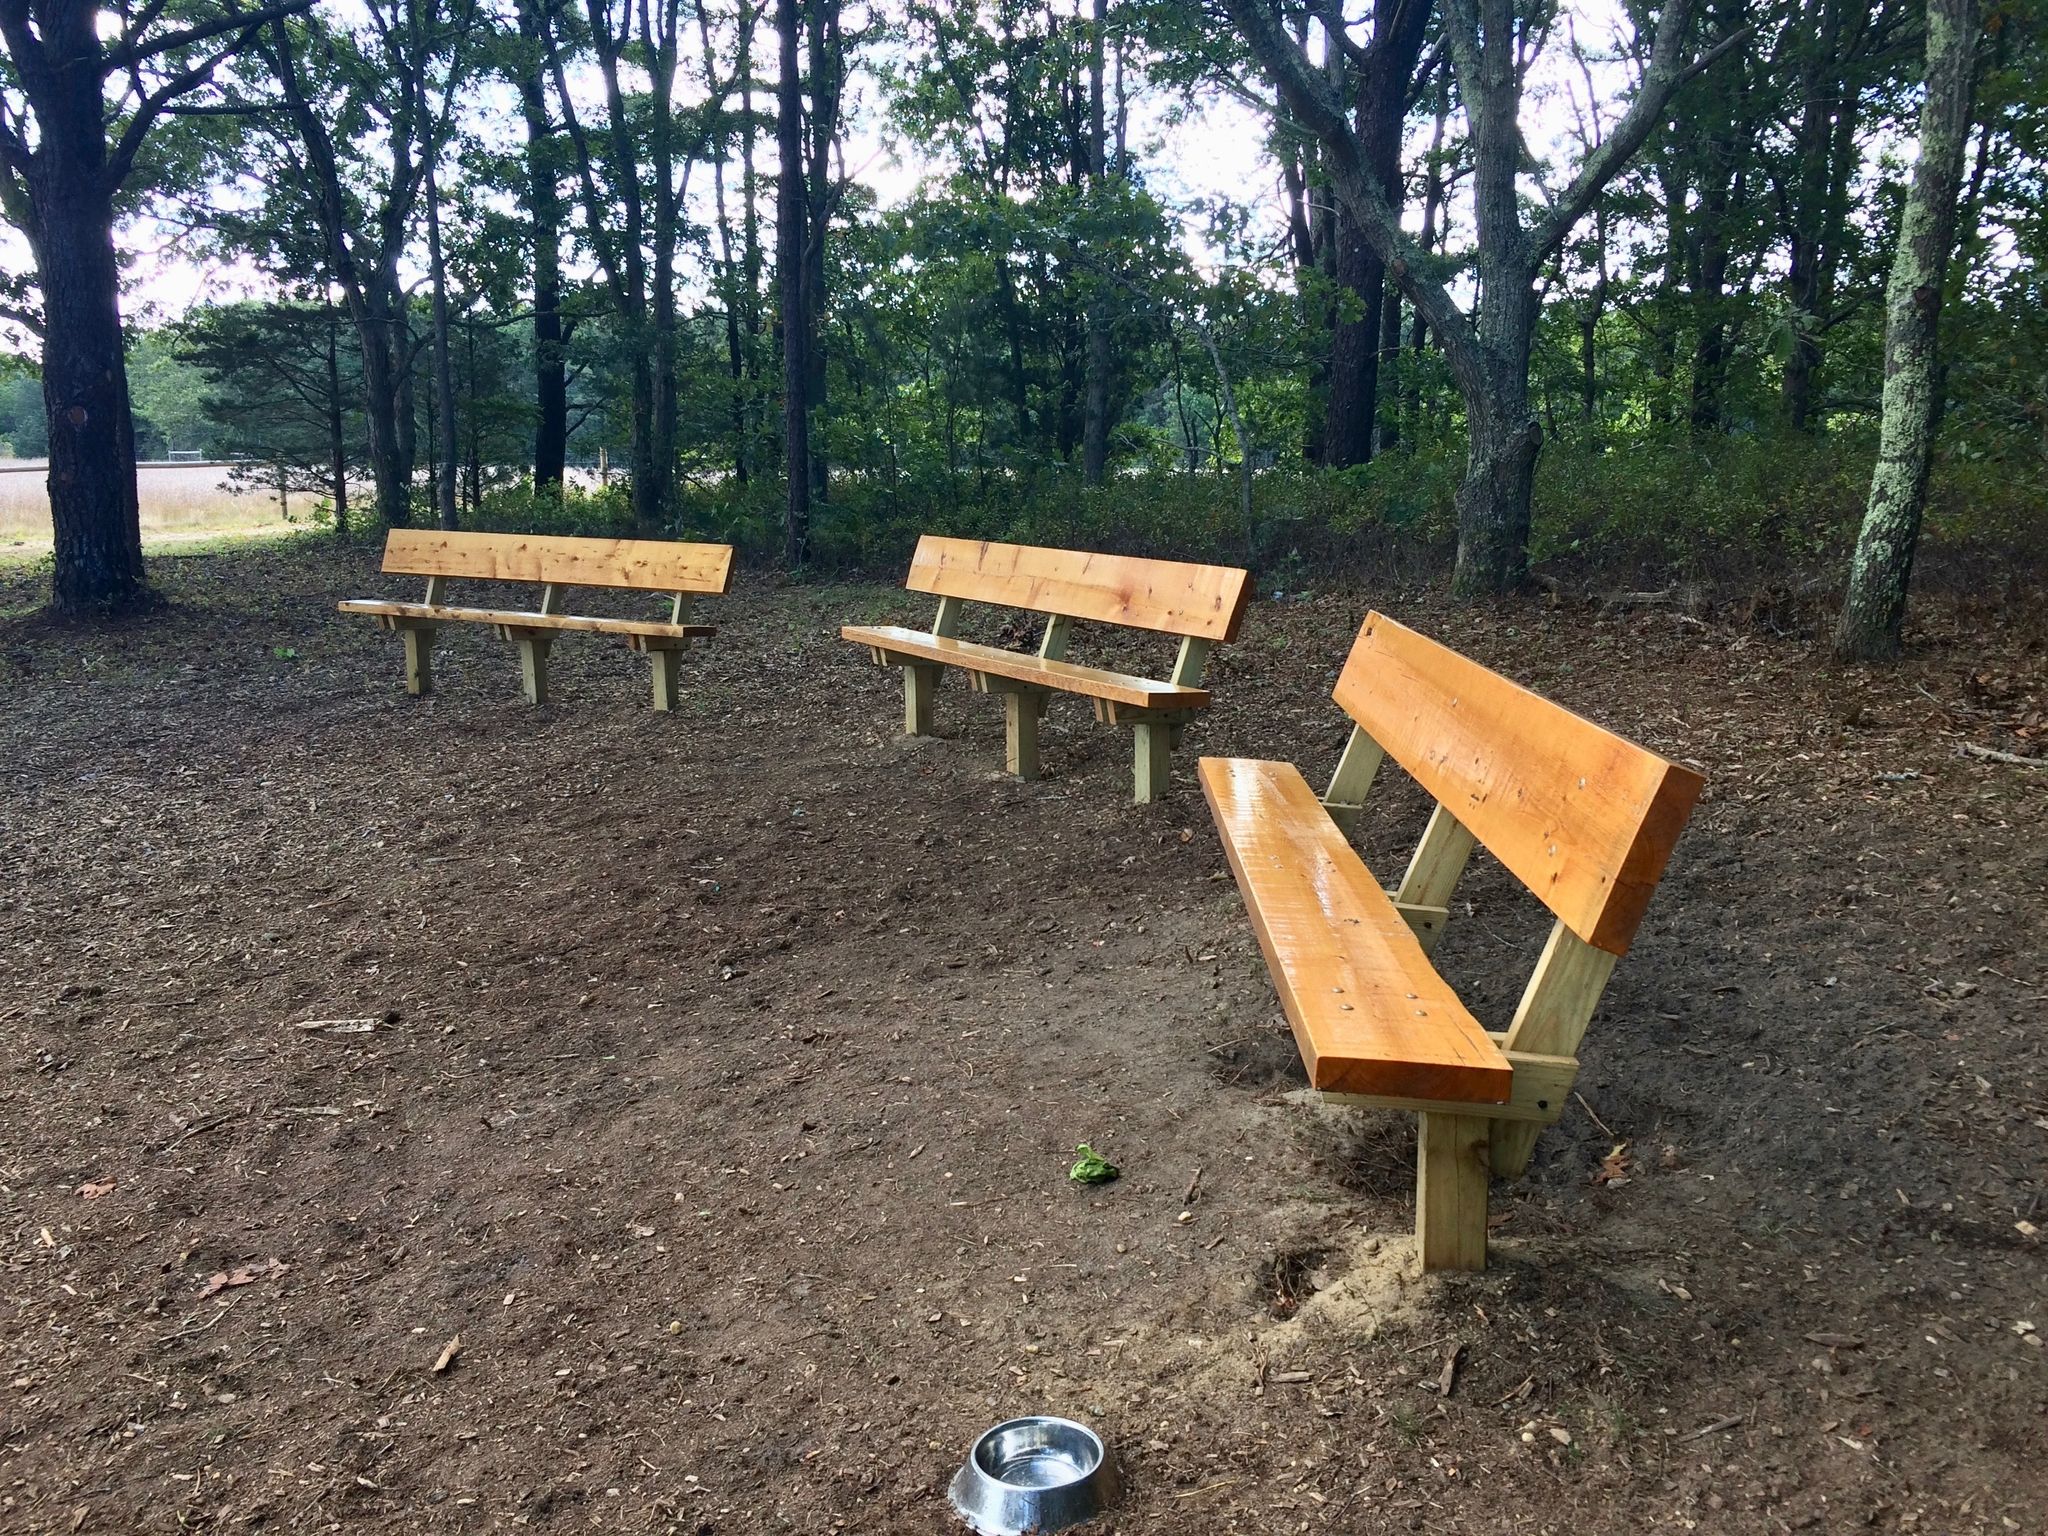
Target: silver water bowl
{"points": [[1034, 1474]]}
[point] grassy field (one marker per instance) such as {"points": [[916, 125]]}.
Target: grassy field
{"points": [[180, 503]]}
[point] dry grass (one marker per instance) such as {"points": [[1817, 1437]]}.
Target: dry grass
{"points": [[180, 502]]}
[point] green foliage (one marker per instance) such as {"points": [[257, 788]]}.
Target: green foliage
{"points": [[24, 422], [604, 511]]}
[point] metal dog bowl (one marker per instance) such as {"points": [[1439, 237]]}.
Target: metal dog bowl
{"points": [[1034, 1474]]}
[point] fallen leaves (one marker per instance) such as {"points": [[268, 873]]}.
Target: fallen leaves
{"points": [[248, 1274], [93, 1189], [1614, 1166]]}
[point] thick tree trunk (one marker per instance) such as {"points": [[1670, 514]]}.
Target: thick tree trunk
{"points": [[1503, 439], [387, 410], [1500, 459], [792, 220], [1382, 92], [1354, 352], [1873, 613], [93, 510]]}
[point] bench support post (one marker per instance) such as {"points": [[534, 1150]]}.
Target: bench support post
{"points": [[1153, 752], [1452, 1168], [919, 684], [419, 659], [1020, 732], [533, 667], [664, 660], [1556, 1007]]}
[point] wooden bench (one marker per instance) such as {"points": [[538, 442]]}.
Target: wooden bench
{"points": [[1202, 604], [1581, 817], [682, 571]]}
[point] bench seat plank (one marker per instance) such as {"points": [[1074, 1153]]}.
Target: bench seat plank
{"points": [[921, 646], [1370, 1013], [443, 613]]}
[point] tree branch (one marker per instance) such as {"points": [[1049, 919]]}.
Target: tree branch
{"points": [[27, 319], [1666, 73], [153, 106], [136, 51]]}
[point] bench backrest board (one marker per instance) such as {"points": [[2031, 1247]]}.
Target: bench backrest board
{"points": [[1203, 601], [1581, 816], [642, 565]]}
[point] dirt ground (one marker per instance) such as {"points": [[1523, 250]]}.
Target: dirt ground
{"points": [[714, 1079]]}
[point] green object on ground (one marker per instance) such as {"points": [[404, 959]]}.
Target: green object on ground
{"points": [[1092, 1168]]}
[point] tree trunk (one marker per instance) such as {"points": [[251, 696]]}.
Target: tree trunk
{"points": [[1830, 86], [387, 408], [94, 515], [1873, 613], [447, 445], [1095, 398], [1354, 351], [1387, 430], [750, 232], [544, 207], [728, 278], [792, 220], [664, 46], [1500, 457], [1493, 501], [1383, 88], [826, 58], [60, 191], [337, 435]]}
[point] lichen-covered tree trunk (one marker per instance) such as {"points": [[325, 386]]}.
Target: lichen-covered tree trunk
{"points": [[1874, 611]]}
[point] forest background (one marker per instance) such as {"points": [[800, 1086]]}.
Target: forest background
{"points": [[1595, 287]]}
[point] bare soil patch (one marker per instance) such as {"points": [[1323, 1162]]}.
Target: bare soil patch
{"points": [[714, 1077]]}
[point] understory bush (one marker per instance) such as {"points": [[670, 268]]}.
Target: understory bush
{"points": [[1720, 510]]}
